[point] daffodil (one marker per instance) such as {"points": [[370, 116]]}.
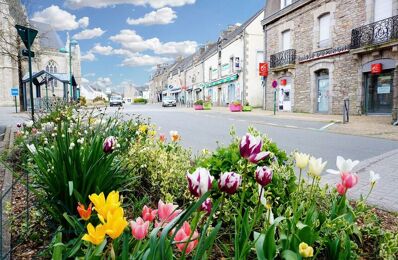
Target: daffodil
{"points": [[104, 206], [302, 160], [94, 235], [305, 250], [115, 223]]}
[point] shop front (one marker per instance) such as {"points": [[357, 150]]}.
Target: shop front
{"points": [[285, 95], [223, 91]]}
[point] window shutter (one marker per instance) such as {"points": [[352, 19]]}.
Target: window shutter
{"points": [[383, 9], [324, 30], [286, 40]]}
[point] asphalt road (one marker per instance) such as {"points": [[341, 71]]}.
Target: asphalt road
{"points": [[207, 129]]}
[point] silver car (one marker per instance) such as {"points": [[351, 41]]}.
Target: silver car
{"points": [[169, 102]]}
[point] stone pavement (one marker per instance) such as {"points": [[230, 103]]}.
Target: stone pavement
{"points": [[385, 192]]}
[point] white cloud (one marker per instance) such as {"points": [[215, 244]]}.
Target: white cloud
{"points": [[177, 48], [84, 81], [60, 20], [164, 15], [103, 50], [105, 3], [139, 60], [89, 56], [89, 34]]}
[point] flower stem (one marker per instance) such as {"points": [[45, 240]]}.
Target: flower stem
{"points": [[370, 191], [299, 180]]}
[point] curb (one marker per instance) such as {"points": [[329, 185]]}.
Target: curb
{"points": [[368, 162]]}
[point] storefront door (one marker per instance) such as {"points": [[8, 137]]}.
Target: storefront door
{"points": [[379, 92], [231, 93], [287, 105], [323, 93]]}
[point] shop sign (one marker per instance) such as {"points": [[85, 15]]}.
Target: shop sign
{"points": [[376, 68], [224, 80], [283, 82], [237, 63], [324, 53], [263, 69], [384, 89]]}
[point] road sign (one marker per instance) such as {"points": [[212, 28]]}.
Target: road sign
{"points": [[14, 92], [26, 53], [274, 84], [27, 35], [263, 69]]}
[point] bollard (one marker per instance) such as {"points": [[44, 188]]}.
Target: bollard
{"points": [[346, 111]]}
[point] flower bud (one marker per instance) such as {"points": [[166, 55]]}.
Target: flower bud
{"points": [[263, 175], [109, 144], [229, 182], [199, 182]]}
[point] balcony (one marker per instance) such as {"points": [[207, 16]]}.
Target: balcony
{"points": [[376, 33], [283, 59]]}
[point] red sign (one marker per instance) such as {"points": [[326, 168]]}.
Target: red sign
{"points": [[184, 87], [263, 69], [283, 82], [376, 68]]}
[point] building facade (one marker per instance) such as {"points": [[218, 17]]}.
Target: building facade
{"points": [[321, 52]]}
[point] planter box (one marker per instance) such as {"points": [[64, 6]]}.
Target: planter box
{"points": [[207, 107], [247, 108], [235, 108], [198, 107]]}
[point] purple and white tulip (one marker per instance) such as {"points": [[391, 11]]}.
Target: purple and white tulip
{"points": [[263, 175], [206, 206], [229, 182], [109, 144], [199, 182], [250, 148], [19, 125]]}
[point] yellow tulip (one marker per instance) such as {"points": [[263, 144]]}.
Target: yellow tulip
{"points": [[305, 250], [301, 160], [104, 206], [94, 235], [115, 223], [143, 128]]}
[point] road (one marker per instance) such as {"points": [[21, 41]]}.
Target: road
{"points": [[203, 129]]}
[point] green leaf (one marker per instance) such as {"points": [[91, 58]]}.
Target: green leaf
{"points": [[259, 245], [99, 249], [70, 184], [269, 245], [306, 235], [290, 255], [58, 246]]}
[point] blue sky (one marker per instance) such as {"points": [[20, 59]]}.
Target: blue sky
{"points": [[117, 52]]}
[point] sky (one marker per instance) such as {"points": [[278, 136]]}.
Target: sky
{"points": [[121, 41]]}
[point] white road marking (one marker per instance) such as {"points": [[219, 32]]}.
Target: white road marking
{"points": [[326, 126]]}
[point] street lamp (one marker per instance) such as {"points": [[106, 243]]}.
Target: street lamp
{"points": [[63, 50]]}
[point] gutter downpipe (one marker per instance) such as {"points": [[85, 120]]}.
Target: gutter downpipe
{"points": [[265, 78], [244, 68]]}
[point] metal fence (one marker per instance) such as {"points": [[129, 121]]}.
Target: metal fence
{"points": [[283, 58]]}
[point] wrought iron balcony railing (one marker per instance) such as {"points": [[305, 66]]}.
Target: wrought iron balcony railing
{"points": [[375, 33], [283, 58]]}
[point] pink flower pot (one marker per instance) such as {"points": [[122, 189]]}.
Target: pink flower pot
{"points": [[235, 108], [198, 107]]}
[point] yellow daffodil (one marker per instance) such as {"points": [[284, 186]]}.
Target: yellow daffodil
{"points": [[104, 206], [94, 235], [115, 223], [301, 160], [305, 250]]}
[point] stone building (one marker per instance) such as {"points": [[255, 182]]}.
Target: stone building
{"points": [[321, 52], [158, 83]]}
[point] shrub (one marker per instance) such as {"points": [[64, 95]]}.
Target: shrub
{"points": [[83, 101], [140, 101], [99, 99], [198, 102], [236, 103]]}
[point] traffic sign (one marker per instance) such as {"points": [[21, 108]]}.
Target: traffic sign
{"points": [[14, 92], [27, 35], [274, 84], [26, 53], [263, 69]]}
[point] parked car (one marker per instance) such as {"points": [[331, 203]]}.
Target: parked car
{"points": [[169, 101], [116, 101]]}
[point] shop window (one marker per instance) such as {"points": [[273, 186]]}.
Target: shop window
{"points": [[286, 40], [324, 30], [285, 3], [382, 9]]}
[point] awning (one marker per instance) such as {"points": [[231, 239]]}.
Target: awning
{"points": [[221, 81]]}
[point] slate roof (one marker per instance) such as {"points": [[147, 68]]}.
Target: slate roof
{"points": [[48, 37]]}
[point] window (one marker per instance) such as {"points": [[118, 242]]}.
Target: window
{"points": [[324, 30], [231, 64], [383, 9], [286, 40], [210, 72], [285, 3], [52, 68]]}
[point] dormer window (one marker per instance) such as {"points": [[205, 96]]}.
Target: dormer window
{"points": [[285, 3]]}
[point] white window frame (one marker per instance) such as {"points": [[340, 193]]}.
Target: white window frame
{"points": [[324, 42]]}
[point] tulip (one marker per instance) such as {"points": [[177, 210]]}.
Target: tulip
{"points": [[94, 235], [32, 148], [19, 125], [302, 160], [139, 228], [349, 180], [143, 128], [175, 137], [109, 144], [34, 131], [166, 212], [229, 182], [306, 250], [263, 175], [115, 223], [199, 182], [343, 165], [341, 189], [206, 206], [373, 177], [162, 138], [84, 213], [250, 148], [29, 123], [316, 166], [102, 205], [182, 237], [148, 214]]}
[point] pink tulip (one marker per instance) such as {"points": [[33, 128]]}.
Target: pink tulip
{"points": [[250, 148], [206, 206], [139, 228], [229, 182], [109, 144], [349, 180], [148, 214], [199, 182], [166, 213], [182, 238], [263, 175], [341, 189]]}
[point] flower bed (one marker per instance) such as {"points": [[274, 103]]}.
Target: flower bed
{"points": [[235, 107], [247, 108], [198, 107]]}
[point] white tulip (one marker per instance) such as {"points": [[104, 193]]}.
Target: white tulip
{"points": [[316, 166], [343, 165], [302, 160], [373, 177]]}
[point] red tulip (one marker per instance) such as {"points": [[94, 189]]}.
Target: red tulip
{"points": [[349, 180], [84, 213], [229, 182], [139, 228], [263, 175], [162, 138], [341, 189], [182, 238], [250, 148], [149, 214]]}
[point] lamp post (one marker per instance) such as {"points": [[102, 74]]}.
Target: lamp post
{"points": [[63, 50]]}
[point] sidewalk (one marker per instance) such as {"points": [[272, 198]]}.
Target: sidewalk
{"points": [[385, 192]]}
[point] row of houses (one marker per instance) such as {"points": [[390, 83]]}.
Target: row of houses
{"points": [[320, 53]]}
